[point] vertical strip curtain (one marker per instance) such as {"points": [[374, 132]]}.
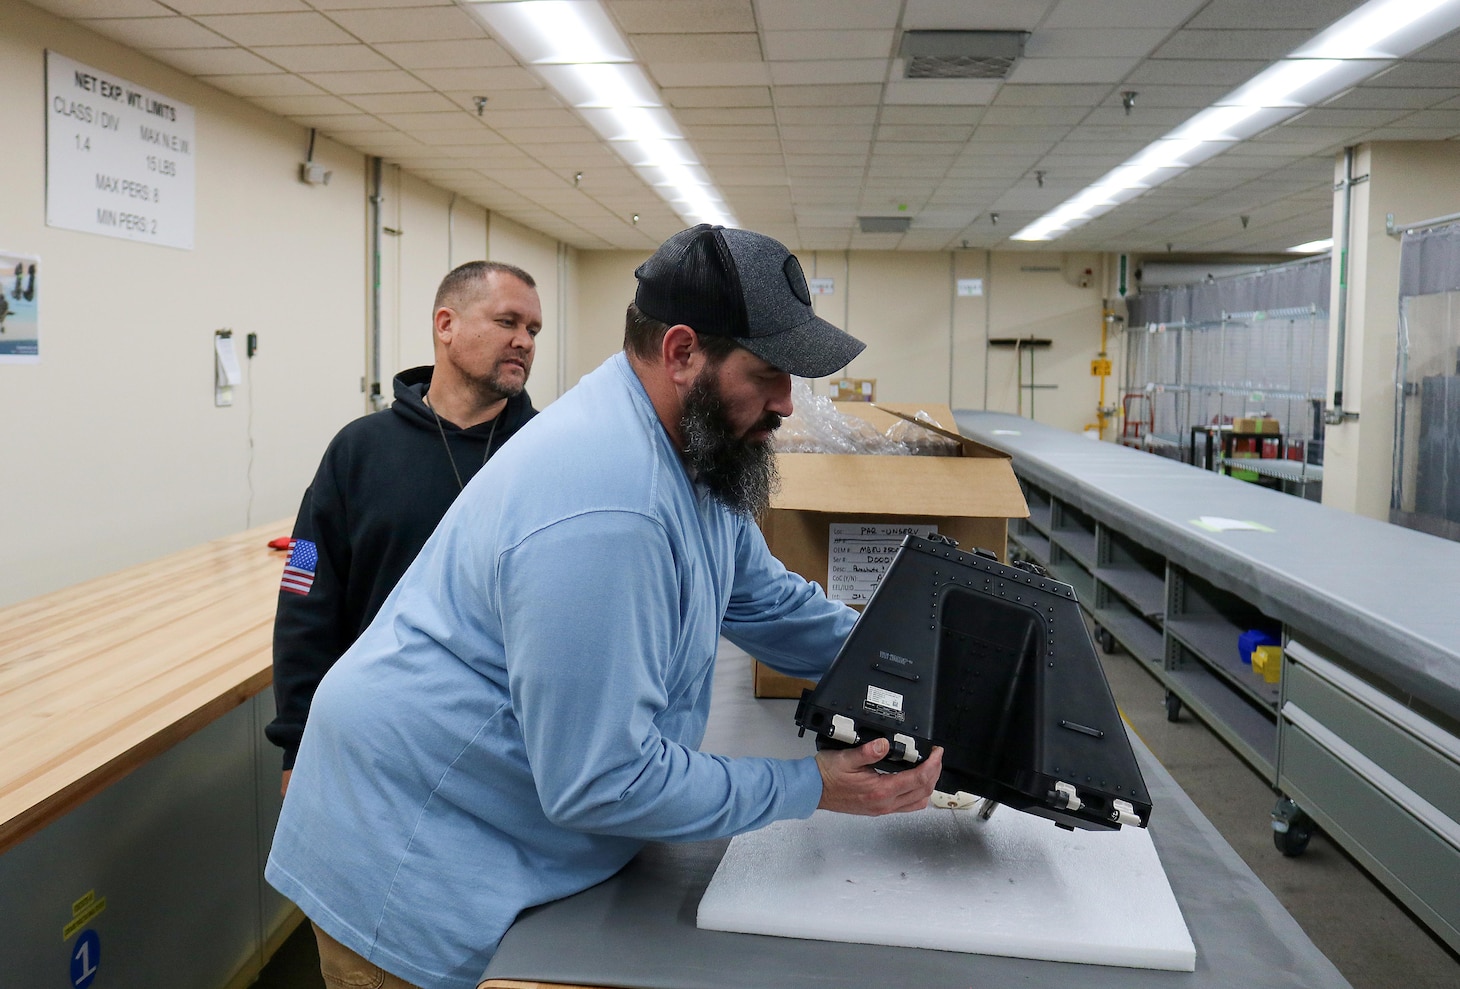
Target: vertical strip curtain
{"points": [[1287, 286]]}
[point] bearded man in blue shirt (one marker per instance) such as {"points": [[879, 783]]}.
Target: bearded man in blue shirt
{"points": [[525, 711]]}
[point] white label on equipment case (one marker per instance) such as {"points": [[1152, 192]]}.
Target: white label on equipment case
{"points": [[885, 699], [860, 554]]}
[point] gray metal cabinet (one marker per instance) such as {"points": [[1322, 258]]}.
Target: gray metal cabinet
{"points": [[1361, 736]]}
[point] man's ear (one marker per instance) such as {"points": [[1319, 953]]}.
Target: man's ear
{"points": [[681, 353], [443, 322]]}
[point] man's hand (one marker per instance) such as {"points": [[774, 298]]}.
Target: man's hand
{"points": [[849, 784], [284, 786]]}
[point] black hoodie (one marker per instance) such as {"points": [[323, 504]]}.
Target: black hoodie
{"points": [[384, 483]]}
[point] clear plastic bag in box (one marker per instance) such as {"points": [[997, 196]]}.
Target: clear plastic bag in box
{"points": [[817, 427]]}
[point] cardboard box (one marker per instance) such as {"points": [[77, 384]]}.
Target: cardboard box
{"points": [[970, 497], [853, 389], [1256, 424]]}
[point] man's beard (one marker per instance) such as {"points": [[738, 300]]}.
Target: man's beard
{"points": [[739, 472], [508, 387]]}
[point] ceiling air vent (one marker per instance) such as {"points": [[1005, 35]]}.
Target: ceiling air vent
{"points": [[960, 54], [884, 224]]}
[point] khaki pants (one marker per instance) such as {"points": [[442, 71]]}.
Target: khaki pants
{"points": [[343, 969]]}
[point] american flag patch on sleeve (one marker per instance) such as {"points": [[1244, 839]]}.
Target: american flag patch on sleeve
{"points": [[299, 569]]}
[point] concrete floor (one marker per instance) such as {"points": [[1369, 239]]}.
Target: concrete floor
{"points": [[1372, 940]]}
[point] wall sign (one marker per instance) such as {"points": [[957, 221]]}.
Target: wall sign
{"points": [[119, 158], [970, 286], [20, 306], [822, 286]]}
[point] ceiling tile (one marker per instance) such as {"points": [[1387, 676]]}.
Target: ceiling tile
{"points": [[293, 106], [678, 48], [560, 117], [1089, 42], [281, 84], [831, 72], [1075, 94], [472, 53], [1071, 70], [216, 61], [682, 16], [506, 99], [484, 80], [1165, 96], [1024, 115], [1377, 97], [352, 83], [680, 75], [235, 6], [88, 9], [335, 125], [153, 33], [366, 4], [799, 15], [789, 46], [252, 30], [1345, 120], [1308, 15], [1416, 75], [1122, 13], [918, 116], [858, 95], [916, 135], [449, 23], [526, 136], [694, 116], [1259, 42], [941, 92], [736, 96], [324, 58], [1182, 72], [730, 148], [411, 123]]}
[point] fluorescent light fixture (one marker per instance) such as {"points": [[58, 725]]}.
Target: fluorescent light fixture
{"points": [[1313, 247], [575, 49], [655, 152], [546, 32], [633, 123], [1384, 29], [601, 84], [1354, 48]]}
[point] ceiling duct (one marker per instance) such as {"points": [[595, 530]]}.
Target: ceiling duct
{"points": [[884, 224], [960, 54]]}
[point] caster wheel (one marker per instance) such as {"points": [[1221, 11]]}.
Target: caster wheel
{"points": [[1173, 707], [1291, 828], [1292, 842]]}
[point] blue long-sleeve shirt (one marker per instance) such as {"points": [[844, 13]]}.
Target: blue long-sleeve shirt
{"points": [[524, 712]]}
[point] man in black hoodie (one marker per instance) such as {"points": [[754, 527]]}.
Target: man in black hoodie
{"points": [[387, 478]]}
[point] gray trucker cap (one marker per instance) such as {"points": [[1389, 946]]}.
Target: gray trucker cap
{"points": [[722, 281]]}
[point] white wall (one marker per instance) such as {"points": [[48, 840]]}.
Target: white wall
{"points": [[924, 343], [537, 254], [1413, 180], [112, 449]]}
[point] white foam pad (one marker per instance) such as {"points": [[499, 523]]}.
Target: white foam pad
{"points": [[1012, 885]]}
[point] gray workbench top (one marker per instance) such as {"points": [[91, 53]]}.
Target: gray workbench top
{"points": [[1383, 596], [637, 930]]}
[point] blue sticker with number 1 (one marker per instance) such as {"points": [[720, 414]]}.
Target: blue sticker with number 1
{"points": [[85, 958]]}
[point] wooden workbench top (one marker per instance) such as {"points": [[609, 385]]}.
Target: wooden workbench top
{"points": [[98, 678]]}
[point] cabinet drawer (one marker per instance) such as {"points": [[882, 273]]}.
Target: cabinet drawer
{"points": [[1389, 735], [1418, 865]]}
